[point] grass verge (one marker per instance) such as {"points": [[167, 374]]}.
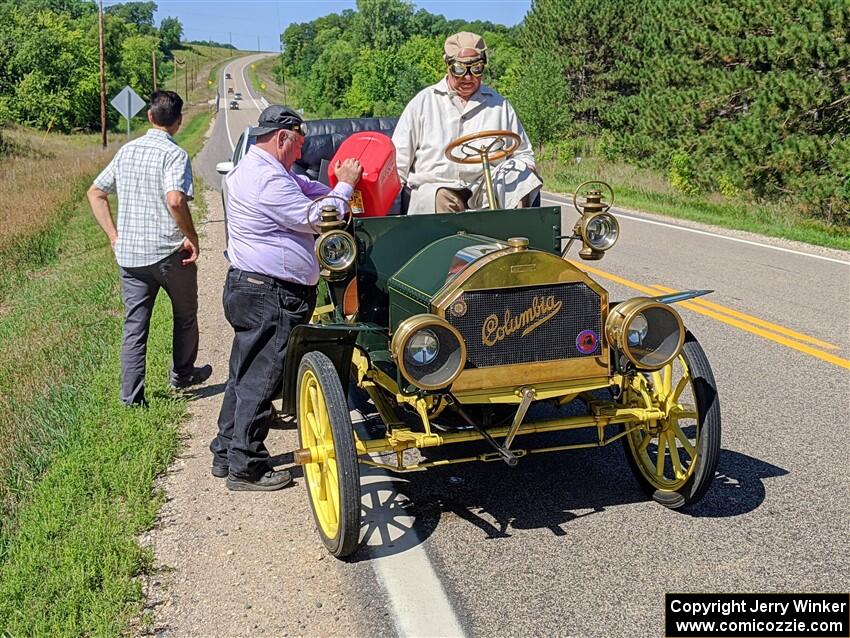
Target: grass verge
{"points": [[191, 134], [41, 174], [78, 464], [76, 467], [256, 85], [649, 191], [264, 76]]}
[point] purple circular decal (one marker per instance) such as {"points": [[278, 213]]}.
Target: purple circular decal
{"points": [[586, 341]]}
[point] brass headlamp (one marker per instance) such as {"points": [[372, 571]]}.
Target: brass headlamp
{"points": [[335, 248], [429, 351], [649, 332]]}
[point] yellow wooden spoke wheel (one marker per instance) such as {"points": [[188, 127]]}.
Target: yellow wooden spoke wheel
{"points": [[332, 475], [675, 458]]}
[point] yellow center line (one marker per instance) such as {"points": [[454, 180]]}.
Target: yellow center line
{"points": [[799, 336], [819, 354]]}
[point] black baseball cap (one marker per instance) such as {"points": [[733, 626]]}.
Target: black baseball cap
{"points": [[274, 118]]}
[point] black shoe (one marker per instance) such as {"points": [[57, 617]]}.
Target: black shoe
{"points": [[268, 482], [220, 471], [199, 375], [281, 421]]}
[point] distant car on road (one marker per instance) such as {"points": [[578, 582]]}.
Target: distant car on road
{"points": [[237, 96], [230, 89], [234, 105], [227, 76]]}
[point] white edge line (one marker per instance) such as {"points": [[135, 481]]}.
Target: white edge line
{"points": [[419, 603], [226, 105], [703, 232]]}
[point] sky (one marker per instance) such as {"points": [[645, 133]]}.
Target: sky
{"points": [[247, 20]]}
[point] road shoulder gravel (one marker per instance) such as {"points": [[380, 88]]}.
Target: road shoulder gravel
{"points": [[236, 563]]}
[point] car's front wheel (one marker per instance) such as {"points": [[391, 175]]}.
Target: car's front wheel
{"points": [[675, 458], [333, 473]]}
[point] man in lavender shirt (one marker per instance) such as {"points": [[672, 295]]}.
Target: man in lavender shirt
{"points": [[270, 288]]}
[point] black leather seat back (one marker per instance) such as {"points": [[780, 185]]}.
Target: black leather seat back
{"points": [[324, 137]]}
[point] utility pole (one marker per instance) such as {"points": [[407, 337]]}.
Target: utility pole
{"points": [[153, 62], [258, 44], [177, 64], [230, 39], [102, 78]]}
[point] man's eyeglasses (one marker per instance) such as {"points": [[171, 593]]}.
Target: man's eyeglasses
{"points": [[459, 69], [300, 128]]}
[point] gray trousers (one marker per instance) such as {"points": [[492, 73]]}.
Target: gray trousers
{"points": [[139, 288]]}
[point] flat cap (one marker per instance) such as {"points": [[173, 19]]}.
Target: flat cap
{"points": [[465, 47]]}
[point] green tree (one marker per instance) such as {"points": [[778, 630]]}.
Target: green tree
{"points": [[51, 60], [170, 33], [585, 37], [384, 80], [324, 91], [382, 24], [754, 93], [539, 94], [136, 63], [73, 9], [138, 13]]}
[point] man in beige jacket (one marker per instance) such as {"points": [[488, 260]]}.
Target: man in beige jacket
{"points": [[456, 106]]}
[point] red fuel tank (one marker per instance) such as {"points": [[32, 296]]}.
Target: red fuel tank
{"points": [[379, 185]]}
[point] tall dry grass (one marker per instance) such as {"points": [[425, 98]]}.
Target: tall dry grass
{"points": [[39, 173]]}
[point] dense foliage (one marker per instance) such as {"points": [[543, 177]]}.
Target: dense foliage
{"points": [[738, 96], [204, 43], [741, 96], [49, 72], [373, 60], [747, 97]]}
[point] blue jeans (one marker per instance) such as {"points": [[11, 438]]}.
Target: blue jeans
{"points": [[262, 312]]}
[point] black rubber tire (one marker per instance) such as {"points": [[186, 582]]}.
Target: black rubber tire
{"points": [[347, 538], [708, 443]]}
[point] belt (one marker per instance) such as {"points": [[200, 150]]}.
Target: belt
{"points": [[255, 277]]}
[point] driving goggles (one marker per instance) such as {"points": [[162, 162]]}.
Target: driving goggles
{"points": [[459, 69], [298, 127]]}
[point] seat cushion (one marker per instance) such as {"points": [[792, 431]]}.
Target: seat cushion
{"points": [[324, 137]]}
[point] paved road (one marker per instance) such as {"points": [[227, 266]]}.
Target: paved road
{"points": [[566, 545], [230, 124]]}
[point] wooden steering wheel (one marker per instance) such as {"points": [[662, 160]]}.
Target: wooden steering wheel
{"points": [[502, 144]]}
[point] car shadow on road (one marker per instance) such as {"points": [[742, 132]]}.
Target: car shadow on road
{"points": [[738, 487], [549, 491]]}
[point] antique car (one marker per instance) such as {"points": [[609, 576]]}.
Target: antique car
{"points": [[475, 327], [234, 105]]}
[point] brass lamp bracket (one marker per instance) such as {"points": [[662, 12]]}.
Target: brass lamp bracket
{"points": [[329, 214]]}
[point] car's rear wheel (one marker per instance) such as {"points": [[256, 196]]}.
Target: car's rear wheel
{"points": [[674, 459], [333, 475]]}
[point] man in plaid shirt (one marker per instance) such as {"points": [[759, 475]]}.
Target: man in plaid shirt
{"points": [[155, 244]]}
